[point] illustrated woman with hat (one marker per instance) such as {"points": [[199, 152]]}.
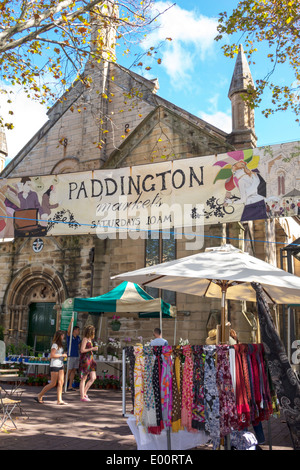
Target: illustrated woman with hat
{"points": [[239, 170]]}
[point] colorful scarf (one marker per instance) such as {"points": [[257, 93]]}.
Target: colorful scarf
{"points": [[138, 383], [198, 419], [187, 389], [254, 377], [176, 390], [228, 413], [211, 397], [243, 409], [149, 413], [157, 369], [166, 385], [266, 394]]}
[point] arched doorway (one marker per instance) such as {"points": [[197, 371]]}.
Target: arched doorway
{"points": [[33, 304]]}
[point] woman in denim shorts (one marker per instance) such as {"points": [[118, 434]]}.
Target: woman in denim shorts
{"points": [[56, 368]]}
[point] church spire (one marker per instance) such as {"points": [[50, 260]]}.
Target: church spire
{"points": [[243, 132], [3, 148], [104, 20]]}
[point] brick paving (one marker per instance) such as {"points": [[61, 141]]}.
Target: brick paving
{"points": [[94, 425]]}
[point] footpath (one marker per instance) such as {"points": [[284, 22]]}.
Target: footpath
{"points": [[94, 425]]}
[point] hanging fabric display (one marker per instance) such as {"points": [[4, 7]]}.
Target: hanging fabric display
{"points": [[187, 389], [198, 419], [156, 379], [139, 383], [176, 389], [228, 411], [219, 390], [242, 404], [149, 412], [166, 386], [211, 396], [285, 381]]}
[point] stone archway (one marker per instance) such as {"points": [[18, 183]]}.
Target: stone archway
{"points": [[34, 283]]}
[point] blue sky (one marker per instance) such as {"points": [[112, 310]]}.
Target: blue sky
{"points": [[194, 74]]}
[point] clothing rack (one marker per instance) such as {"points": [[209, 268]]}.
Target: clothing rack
{"points": [[189, 353]]}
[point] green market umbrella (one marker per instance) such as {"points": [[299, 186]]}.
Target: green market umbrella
{"points": [[126, 297]]}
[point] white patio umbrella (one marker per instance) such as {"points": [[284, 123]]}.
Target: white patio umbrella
{"points": [[225, 272]]}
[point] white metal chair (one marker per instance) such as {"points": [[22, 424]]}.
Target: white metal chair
{"points": [[7, 406]]}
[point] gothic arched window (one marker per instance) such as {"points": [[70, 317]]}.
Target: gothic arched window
{"points": [[281, 183]]}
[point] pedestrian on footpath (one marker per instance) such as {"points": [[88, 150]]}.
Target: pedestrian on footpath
{"points": [[74, 353], [87, 364], [57, 356]]}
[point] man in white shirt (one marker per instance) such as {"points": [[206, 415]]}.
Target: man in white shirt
{"points": [[158, 340]]}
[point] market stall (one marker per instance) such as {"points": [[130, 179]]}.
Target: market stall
{"points": [[126, 297], [193, 394], [228, 273], [225, 272]]}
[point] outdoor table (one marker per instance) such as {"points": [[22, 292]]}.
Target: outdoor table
{"points": [[29, 364], [117, 365], [12, 397], [12, 378]]}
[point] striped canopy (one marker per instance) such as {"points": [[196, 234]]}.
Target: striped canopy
{"points": [[126, 297]]}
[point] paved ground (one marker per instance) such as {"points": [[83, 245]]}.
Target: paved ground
{"points": [[96, 425]]}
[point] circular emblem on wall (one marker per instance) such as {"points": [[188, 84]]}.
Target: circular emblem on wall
{"points": [[37, 245]]}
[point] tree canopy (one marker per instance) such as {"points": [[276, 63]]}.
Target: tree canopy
{"points": [[275, 24], [45, 44]]}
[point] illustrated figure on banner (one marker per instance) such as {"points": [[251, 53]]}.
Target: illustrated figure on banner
{"points": [[239, 170], [22, 212]]}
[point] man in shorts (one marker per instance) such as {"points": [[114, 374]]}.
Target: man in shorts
{"points": [[74, 353]]}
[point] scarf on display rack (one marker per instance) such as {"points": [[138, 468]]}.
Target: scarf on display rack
{"points": [[216, 389], [187, 389], [149, 412], [228, 412], [211, 397], [253, 376], [156, 377], [267, 407], [242, 405], [166, 385], [198, 419], [138, 383], [176, 389]]}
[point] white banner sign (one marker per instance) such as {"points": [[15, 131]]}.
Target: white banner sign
{"points": [[236, 186]]}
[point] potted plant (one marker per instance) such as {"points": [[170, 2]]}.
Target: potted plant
{"points": [[31, 379], [41, 379], [101, 347], [115, 382], [113, 347], [76, 381], [115, 324]]}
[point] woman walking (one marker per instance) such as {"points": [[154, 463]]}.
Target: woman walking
{"points": [[87, 364], [56, 368]]}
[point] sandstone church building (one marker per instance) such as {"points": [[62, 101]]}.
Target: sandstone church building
{"points": [[135, 126]]}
